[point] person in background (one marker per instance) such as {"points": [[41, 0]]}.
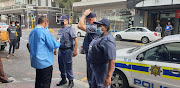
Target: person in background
{"points": [[19, 34], [158, 29], [90, 30], [3, 78], [169, 29], [12, 37], [41, 46], [102, 55], [66, 51]]}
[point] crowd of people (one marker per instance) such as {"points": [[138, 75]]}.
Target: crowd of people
{"points": [[99, 46]]}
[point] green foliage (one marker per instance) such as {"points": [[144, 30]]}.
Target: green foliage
{"points": [[67, 3]]}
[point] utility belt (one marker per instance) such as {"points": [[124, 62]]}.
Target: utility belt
{"points": [[66, 48]]}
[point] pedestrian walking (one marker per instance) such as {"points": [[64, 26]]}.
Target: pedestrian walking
{"points": [[19, 35], [90, 30], [41, 45], [67, 36], [169, 28], [12, 37], [3, 78], [102, 55]]}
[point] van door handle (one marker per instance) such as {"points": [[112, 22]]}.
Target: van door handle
{"points": [[175, 71]]}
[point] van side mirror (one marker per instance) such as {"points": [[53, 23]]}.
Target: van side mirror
{"points": [[140, 57]]}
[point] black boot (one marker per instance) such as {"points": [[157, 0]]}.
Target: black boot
{"points": [[62, 82], [71, 84]]}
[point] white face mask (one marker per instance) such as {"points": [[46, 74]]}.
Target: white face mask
{"points": [[17, 24]]}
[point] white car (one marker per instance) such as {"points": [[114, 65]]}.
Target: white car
{"points": [[80, 33], [3, 26], [137, 33], [155, 65]]}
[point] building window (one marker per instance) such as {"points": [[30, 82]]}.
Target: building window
{"points": [[29, 1], [43, 2]]}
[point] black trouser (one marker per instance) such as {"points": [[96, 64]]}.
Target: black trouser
{"points": [[12, 44], [43, 77], [18, 43]]}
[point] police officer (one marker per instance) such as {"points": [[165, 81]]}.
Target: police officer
{"points": [[65, 53], [90, 30], [102, 55], [12, 37], [19, 34]]}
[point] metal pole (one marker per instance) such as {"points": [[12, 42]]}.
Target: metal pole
{"points": [[27, 18]]}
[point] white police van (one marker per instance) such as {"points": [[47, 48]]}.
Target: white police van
{"points": [[155, 65]]}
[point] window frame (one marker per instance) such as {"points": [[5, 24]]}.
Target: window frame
{"points": [[158, 60]]}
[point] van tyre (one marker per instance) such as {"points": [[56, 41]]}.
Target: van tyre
{"points": [[119, 80], [118, 38], [145, 40]]}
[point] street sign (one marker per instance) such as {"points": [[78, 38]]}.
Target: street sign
{"points": [[29, 11]]}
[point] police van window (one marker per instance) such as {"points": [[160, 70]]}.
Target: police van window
{"points": [[166, 53], [130, 30]]}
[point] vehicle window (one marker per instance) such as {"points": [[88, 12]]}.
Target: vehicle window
{"points": [[168, 53], [140, 30], [2, 23], [130, 30], [137, 48]]}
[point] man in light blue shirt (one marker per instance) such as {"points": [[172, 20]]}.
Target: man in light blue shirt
{"points": [[41, 45]]}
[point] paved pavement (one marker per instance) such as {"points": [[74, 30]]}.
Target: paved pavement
{"points": [[19, 69]]}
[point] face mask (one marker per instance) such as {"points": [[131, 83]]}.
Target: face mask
{"points": [[46, 28], [99, 31], [13, 25], [17, 24], [62, 24]]}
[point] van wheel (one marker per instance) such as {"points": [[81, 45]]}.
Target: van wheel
{"points": [[119, 80], [118, 38], [79, 34], [145, 40]]}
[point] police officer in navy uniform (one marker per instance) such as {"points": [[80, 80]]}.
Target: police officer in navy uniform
{"points": [[90, 30], [102, 55], [66, 51]]}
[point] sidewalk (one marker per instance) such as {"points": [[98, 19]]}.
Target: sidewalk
{"points": [[30, 84]]}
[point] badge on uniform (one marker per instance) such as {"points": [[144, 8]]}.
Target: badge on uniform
{"points": [[59, 37]]}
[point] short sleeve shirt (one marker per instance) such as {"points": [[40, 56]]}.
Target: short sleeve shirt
{"points": [[91, 34], [67, 36], [102, 49], [12, 33]]}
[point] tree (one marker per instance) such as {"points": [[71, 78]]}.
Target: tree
{"points": [[67, 4]]}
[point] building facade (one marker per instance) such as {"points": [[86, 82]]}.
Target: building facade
{"points": [[150, 13], [28, 11], [115, 10]]}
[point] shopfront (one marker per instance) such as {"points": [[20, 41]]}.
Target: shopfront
{"points": [[116, 11], [160, 12]]}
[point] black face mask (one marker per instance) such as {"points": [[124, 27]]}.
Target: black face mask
{"points": [[62, 24]]}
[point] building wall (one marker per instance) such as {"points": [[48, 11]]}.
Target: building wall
{"points": [[7, 3]]}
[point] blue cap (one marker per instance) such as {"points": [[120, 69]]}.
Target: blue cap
{"points": [[63, 17], [103, 22], [91, 15]]}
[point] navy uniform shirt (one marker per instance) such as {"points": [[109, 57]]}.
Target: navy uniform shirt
{"points": [[67, 36], [102, 49], [12, 33], [91, 34]]}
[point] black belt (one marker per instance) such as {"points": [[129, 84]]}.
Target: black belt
{"points": [[66, 48]]}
